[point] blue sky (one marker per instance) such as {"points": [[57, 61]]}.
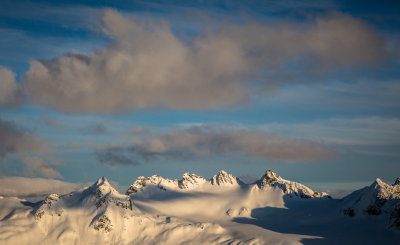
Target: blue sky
{"points": [[129, 88]]}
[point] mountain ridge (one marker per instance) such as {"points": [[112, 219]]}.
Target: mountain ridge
{"points": [[194, 210]]}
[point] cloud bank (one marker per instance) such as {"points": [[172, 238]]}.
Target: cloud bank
{"points": [[148, 66], [23, 186], [207, 141]]}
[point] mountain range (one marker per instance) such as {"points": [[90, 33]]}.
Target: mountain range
{"points": [[194, 210]]}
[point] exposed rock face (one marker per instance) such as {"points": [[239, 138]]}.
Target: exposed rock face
{"points": [[224, 179], [49, 206], [379, 198], [397, 182], [290, 188], [103, 223], [269, 179]]}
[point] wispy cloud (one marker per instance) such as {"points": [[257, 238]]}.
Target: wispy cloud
{"points": [[339, 96], [115, 155], [213, 70], [70, 146], [36, 166], [95, 128], [208, 141], [15, 140], [365, 135]]}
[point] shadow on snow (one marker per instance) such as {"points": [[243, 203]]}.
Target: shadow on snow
{"points": [[322, 218]]}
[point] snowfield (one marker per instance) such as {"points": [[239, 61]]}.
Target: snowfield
{"points": [[193, 210]]}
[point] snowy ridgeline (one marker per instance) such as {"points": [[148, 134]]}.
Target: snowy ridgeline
{"points": [[193, 210], [223, 179]]}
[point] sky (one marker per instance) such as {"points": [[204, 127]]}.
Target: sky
{"points": [[308, 89]]}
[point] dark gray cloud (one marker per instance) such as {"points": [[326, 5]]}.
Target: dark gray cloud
{"points": [[70, 146], [148, 66], [95, 128], [36, 166], [116, 155], [15, 140], [50, 122], [208, 141]]}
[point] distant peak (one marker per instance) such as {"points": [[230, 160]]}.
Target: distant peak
{"points": [[223, 172], [190, 181], [102, 181], [378, 181], [187, 174], [269, 178], [224, 178], [271, 175], [397, 182]]}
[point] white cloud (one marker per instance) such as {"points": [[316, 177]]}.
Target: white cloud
{"points": [[148, 66]]}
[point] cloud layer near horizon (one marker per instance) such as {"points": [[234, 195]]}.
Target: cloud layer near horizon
{"points": [[148, 66], [208, 141], [23, 186]]}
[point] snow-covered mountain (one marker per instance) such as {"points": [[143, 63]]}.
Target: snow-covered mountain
{"points": [[225, 179], [194, 210], [290, 188], [379, 198], [189, 181], [100, 199]]}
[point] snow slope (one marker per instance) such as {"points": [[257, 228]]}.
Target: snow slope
{"points": [[379, 199], [193, 210]]}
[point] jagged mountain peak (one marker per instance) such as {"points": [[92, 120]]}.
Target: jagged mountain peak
{"points": [[272, 180], [223, 178], [190, 181], [397, 182], [378, 182], [141, 182], [272, 175], [102, 181], [269, 178], [101, 187]]}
